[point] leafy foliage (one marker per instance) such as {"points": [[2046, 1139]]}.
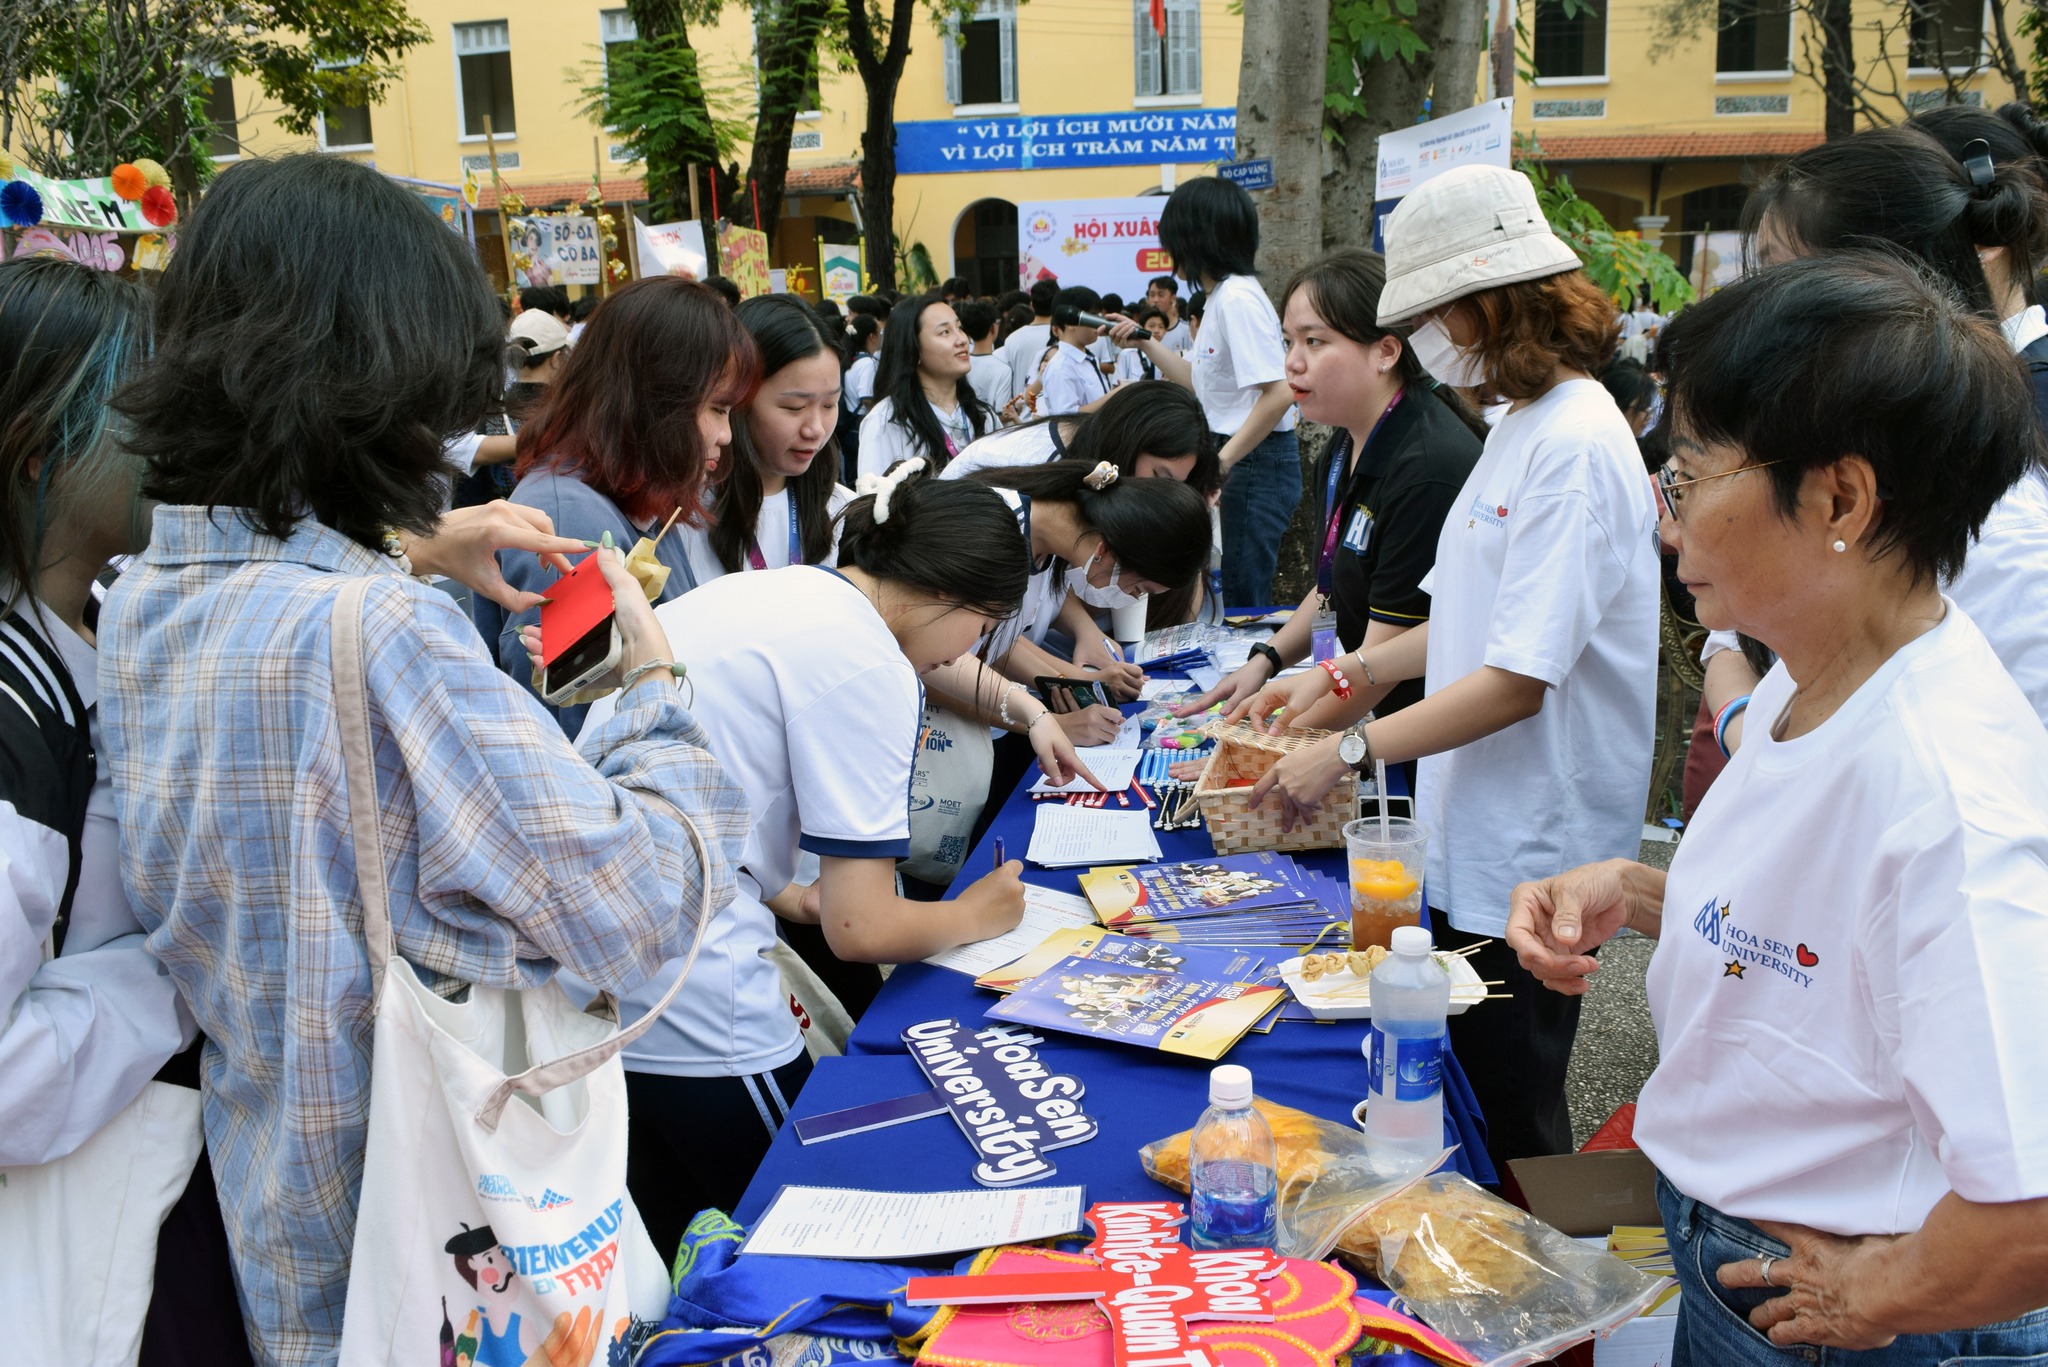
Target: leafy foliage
{"points": [[653, 92], [1616, 260], [1361, 32]]}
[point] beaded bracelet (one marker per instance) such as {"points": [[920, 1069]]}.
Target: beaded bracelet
{"points": [[635, 674], [1732, 709], [1343, 684]]}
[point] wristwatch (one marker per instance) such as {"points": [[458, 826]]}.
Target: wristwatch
{"points": [[1354, 749], [1265, 648]]}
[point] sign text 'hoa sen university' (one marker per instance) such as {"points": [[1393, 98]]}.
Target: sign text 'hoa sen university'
{"points": [[1059, 141]]}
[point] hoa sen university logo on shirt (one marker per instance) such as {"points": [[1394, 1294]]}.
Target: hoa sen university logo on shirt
{"points": [[1746, 950], [1492, 514]]}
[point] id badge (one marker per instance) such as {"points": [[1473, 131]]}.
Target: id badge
{"points": [[1323, 638], [1358, 531]]}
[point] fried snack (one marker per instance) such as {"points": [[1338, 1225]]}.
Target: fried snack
{"points": [[1442, 1235], [1360, 963]]}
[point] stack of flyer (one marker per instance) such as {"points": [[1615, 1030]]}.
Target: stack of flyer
{"points": [[1260, 899], [1176, 999]]}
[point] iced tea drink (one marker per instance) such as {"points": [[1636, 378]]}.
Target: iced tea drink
{"points": [[1386, 877]]}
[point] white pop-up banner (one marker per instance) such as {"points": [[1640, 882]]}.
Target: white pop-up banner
{"points": [[1109, 245]]}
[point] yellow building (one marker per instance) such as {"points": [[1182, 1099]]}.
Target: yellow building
{"points": [[1098, 84], [1671, 140]]}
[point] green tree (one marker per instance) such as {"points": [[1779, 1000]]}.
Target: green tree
{"points": [[1620, 263], [86, 84], [786, 39]]}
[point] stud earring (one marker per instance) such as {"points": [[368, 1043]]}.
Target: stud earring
{"points": [[1841, 546]]}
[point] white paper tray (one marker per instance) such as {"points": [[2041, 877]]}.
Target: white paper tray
{"points": [[1466, 989]]}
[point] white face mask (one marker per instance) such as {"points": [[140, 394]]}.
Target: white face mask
{"points": [[1444, 358], [1110, 595]]}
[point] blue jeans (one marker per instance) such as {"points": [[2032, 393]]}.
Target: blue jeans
{"points": [[1259, 496], [1713, 1322]]}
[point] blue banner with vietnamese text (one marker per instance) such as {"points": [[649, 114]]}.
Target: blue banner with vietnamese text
{"points": [[1044, 142]]}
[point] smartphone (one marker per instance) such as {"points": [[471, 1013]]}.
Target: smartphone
{"points": [[1079, 692], [579, 633]]}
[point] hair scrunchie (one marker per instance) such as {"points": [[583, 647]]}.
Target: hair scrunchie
{"points": [[1102, 476], [884, 487]]}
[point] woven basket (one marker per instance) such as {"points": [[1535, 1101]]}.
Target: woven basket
{"points": [[1234, 827]]}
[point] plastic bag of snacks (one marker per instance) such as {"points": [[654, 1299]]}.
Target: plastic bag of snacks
{"points": [[1327, 1178], [1497, 1281]]}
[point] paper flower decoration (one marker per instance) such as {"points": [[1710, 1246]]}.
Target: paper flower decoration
{"points": [[153, 172], [20, 205], [128, 180], [158, 206]]}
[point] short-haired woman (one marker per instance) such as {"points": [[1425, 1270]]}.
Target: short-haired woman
{"points": [[923, 404], [1850, 1109], [1237, 368], [304, 376], [629, 436], [1539, 658]]}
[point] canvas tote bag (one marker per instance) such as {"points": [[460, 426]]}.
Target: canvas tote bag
{"points": [[949, 781], [494, 1223]]}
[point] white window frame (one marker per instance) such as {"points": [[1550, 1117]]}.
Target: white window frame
{"points": [[1983, 43], [1606, 51], [458, 52], [215, 73], [320, 125], [1791, 46], [1181, 16], [1004, 11]]}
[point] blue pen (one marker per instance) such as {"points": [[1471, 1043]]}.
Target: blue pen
{"points": [[1115, 651]]}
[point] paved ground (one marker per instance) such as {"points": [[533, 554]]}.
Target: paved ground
{"points": [[1616, 1049]]}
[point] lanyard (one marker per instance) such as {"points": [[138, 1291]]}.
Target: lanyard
{"points": [[1326, 563], [758, 561]]}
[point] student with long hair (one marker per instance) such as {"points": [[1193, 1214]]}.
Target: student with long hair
{"points": [[1539, 658], [777, 500], [292, 413], [808, 682], [1404, 448], [924, 405], [630, 435], [1237, 368]]}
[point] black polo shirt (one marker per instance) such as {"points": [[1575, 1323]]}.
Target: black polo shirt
{"points": [[1399, 493]]}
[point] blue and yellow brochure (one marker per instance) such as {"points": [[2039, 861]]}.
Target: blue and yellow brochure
{"points": [[1151, 1007]]}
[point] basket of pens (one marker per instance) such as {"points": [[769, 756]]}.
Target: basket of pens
{"points": [[1242, 756]]}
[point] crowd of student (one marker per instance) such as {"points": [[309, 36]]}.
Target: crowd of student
{"points": [[1848, 479]]}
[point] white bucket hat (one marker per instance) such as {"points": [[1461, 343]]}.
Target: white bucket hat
{"points": [[539, 332], [1469, 229]]}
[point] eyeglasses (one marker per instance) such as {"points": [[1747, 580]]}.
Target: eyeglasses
{"points": [[1670, 488]]}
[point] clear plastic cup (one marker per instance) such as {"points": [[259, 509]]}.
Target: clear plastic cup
{"points": [[1386, 877]]}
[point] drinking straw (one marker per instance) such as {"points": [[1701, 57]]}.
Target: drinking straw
{"points": [[1379, 774]]}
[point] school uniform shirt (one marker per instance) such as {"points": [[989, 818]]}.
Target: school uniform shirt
{"points": [[1103, 352], [1022, 349], [1178, 338], [1847, 987], [1071, 379], [884, 441], [1238, 351], [1134, 364], [1391, 509], [775, 538], [1546, 567], [1037, 443], [859, 386], [812, 708], [989, 377]]}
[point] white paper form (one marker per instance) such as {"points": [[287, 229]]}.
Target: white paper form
{"points": [[1113, 766], [1045, 911], [1063, 836], [882, 1226]]}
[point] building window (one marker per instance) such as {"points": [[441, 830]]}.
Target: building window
{"points": [[1571, 39], [483, 70], [1172, 64], [981, 55], [1944, 34], [343, 126], [1755, 35], [223, 139]]}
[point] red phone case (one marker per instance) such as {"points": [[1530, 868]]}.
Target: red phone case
{"points": [[578, 602]]}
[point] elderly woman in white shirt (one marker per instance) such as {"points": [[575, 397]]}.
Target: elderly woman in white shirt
{"points": [[1850, 1111]]}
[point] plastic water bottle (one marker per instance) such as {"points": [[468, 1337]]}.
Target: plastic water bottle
{"points": [[1411, 995], [1212, 597], [1234, 1175]]}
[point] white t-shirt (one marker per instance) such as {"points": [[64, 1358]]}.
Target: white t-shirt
{"points": [[774, 537], [860, 382], [2026, 327], [1547, 567], [812, 708], [884, 441], [1177, 339], [1847, 990], [1035, 444], [1238, 351], [1130, 366], [1022, 350], [990, 378], [1071, 379]]}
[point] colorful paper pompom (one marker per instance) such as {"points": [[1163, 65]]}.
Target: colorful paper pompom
{"points": [[20, 205], [158, 206], [153, 172], [128, 181]]}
